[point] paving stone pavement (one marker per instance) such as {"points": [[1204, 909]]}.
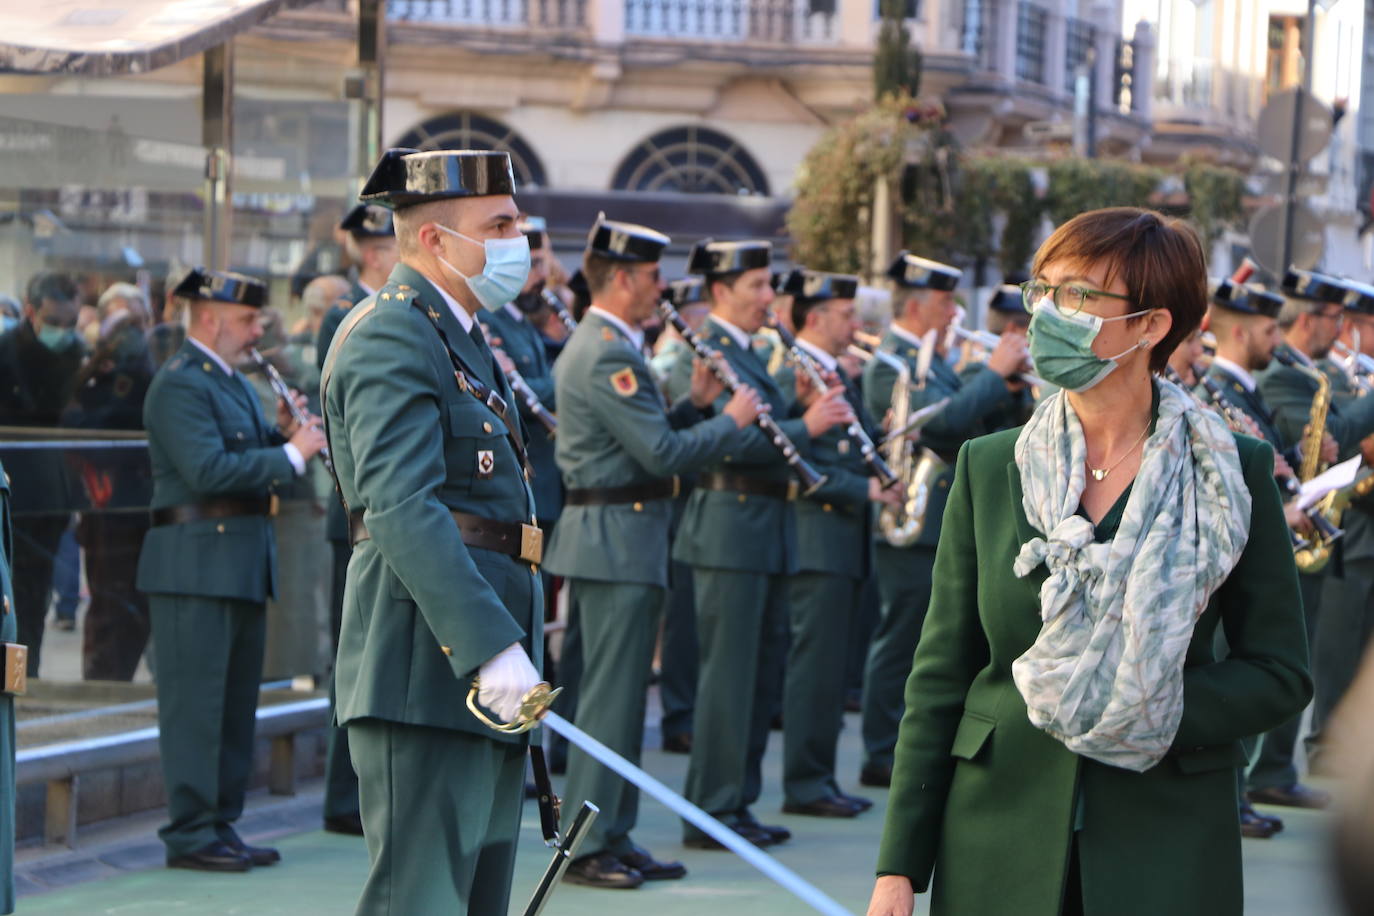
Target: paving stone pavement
{"points": [[118, 869]]}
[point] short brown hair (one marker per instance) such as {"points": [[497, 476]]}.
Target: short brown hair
{"points": [[599, 271], [1158, 258]]}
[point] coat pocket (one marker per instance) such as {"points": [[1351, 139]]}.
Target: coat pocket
{"points": [[974, 731]]}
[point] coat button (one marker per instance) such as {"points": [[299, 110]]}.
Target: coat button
{"points": [[742, 497], [639, 507], [827, 508], [219, 528], [446, 650], [7, 604], [486, 427], [240, 436]]}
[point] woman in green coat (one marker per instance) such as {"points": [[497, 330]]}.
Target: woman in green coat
{"points": [[1071, 737]]}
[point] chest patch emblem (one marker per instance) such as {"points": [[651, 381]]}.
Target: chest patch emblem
{"points": [[624, 382], [486, 463]]}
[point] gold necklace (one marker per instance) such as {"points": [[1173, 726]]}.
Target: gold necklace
{"points": [[1101, 473]]}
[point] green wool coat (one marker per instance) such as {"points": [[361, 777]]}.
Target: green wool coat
{"points": [[989, 802], [422, 610]]}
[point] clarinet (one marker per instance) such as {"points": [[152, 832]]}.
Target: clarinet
{"points": [[810, 478], [522, 388], [553, 302], [283, 391], [808, 364]]}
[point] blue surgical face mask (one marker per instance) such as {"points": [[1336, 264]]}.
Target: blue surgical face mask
{"points": [[505, 272], [1061, 346], [8, 323], [55, 338]]}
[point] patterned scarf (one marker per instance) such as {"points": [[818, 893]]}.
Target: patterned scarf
{"points": [[1105, 675]]}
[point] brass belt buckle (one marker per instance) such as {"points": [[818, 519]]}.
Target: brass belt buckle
{"points": [[792, 490], [16, 669], [273, 505], [531, 544]]}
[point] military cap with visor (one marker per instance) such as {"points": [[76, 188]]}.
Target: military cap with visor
{"points": [[407, 177], [816, 285], [914, 272], [625, 241], [687, 291], [533, 228], [1247, 300], [1359, 297], [368, 221], [711, 258], [1007, 298], [222, 286], [1312, 286]]}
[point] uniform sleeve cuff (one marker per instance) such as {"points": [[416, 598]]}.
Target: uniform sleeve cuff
{"points": [[293, 454]]}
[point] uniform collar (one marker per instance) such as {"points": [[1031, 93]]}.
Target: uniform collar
{"points": [[744, 341], [1245, 378], [219, 361], [905, 335], [635, 337], [365, 288], [827, 361], [455, 307]]}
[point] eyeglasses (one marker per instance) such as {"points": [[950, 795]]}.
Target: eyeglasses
{"points": [[1337, 316], [1068, 297]]}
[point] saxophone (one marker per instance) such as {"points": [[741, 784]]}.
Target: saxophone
{"points": [[1315, 557], [915, 468]]}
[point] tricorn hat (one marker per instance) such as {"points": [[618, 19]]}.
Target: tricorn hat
{"points": [[914, 272], [222, 286], [368, 221], [625, 241], [817, 285], [406, 177], [710, 257], [1312, 286], [1248, 300]]}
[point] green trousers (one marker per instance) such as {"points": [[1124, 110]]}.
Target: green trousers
{"points": [[209, 667], [441, 814], [619, 629], [742, 635], [904, 577], [1275, 767], [821, 607], [340, 782]]}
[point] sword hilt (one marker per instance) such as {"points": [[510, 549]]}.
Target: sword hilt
{"points": [[533, 705]]}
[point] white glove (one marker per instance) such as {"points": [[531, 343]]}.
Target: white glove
{"points": [[504, 680]]}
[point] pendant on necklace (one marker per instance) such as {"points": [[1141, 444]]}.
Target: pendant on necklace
{"points": [[1098, 473]]}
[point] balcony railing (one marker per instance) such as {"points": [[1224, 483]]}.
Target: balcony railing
{"points": [[772, 21], [558, 14]]}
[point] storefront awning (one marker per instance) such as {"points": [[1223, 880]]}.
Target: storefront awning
{"points": [[113, 37]]}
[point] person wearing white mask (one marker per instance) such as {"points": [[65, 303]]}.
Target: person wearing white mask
{"points": [[442, 593], [1067, 715]]}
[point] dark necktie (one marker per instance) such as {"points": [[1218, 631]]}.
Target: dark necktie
{"points": [[481, 340]]}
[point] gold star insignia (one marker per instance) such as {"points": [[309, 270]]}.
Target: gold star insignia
{"points": [[724, 341], [433, 315], [386, 295], [403, 288], [607, 334], [206, 366]]}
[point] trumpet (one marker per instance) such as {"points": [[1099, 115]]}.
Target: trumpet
{"points": [[556, 304], [855, 430], [283, 391], [988, 340], [810, 478], [526, 393]]}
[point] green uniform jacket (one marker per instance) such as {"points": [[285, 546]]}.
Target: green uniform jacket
{"points": [[336, 522], [9, 632], [523, 343], [1251, 403], [613, 432], [422, 611], [207, 438], [976, 784], [1358, 520], [1290, 392], [832, 523], [972, 398], [725, 530]]}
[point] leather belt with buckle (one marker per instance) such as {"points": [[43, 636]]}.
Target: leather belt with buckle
{"points": [[742, 483], [225, 507], [665, 488], [524, 542]]}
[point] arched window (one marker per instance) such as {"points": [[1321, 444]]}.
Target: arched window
{"points": [[465, 130], [690, 160]]}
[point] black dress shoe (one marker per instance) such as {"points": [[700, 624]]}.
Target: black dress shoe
{"points": [[258, 855], [827, 806], [642, 861], [678, 744], [702, 841], [215, 857], [1295, 796], [351, 824], [1253, 826], [776, 833], [603, 870], [876, 774], [858, 801]]}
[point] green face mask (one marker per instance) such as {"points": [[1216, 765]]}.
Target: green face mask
{"points": [[55, 338], [1061, 346]]}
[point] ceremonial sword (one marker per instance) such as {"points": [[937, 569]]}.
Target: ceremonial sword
{"points": [[534, 711]]}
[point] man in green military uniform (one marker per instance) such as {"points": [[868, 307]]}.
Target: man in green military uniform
{"points": [[738, 534], [1347, 601], [620, 454], [832, 552], [9, 632], [1244, 322], [443, 587], [208, 564], [1311, 320], [371, 243], [923, 307]]}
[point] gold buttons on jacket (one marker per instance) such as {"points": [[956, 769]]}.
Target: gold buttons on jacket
{"points": [[220, 528], [486, 427], [446, 650], [639, 507], [826, 507], [742, 497]]}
